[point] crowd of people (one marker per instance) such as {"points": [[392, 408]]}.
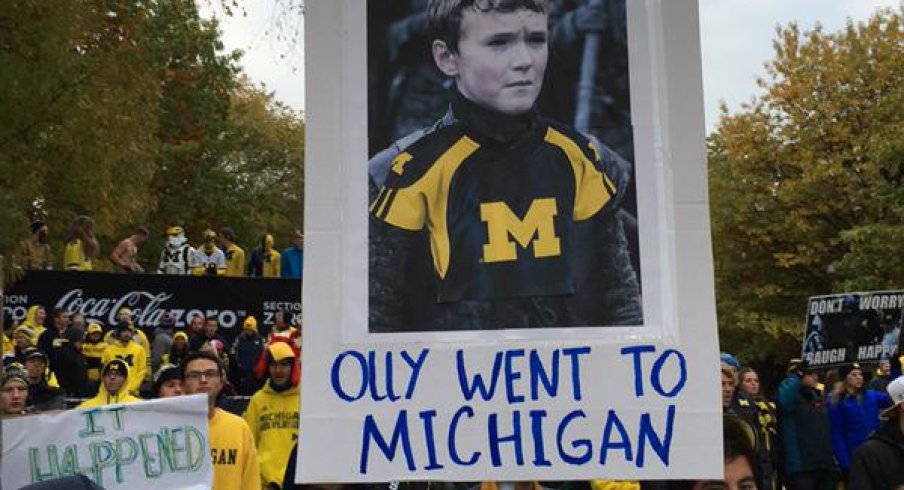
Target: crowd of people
{"points": [[68, 363], [812, 435], [217, 254], [847, 429]]}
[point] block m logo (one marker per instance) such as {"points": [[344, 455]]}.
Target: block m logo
{"points": [[502, 223]]}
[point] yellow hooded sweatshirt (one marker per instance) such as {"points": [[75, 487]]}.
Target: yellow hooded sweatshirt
{"points": [[272, 417], [134, 356], [141, 338], [9, 350], [232, 450], [32, 324], [271, 265], [104, 397]]}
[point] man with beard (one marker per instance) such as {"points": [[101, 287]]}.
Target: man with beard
{"points": [[128, 351]]}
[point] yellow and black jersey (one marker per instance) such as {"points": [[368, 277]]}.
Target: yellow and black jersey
{"points": [[499, 218]]}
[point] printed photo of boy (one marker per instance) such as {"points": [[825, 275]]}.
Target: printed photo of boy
{"points": [[496, 217]]}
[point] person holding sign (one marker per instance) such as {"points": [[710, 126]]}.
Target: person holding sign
{"points": [[113, 386], [272, 414], [497, 217], [806, 435], [231, 444]]}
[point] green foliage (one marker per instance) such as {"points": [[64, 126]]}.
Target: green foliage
{"points": [[129, 111], [805, 182]]}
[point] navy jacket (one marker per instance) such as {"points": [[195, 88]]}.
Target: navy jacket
{"points": [[805, 428]]}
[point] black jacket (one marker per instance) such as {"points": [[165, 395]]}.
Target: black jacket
{"points": [[77, 482], [405, 294], [42, 397], [879, 462]]}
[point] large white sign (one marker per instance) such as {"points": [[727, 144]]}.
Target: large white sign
{"points": [[463, 321], [146, 445]]}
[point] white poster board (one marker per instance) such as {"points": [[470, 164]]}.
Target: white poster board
{"points": [[627, 401], [147, 445]]}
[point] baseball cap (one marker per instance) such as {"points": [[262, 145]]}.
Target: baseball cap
{"points": [[896, 393], [165, 373], [730, 360], [117, 366], [166, 320], [843, 371], [35, 353]]}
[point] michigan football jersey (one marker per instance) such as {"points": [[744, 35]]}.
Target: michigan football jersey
{"points": [[500, 219]]}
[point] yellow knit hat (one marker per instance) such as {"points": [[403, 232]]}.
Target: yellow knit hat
{"points": [[250, 323]]}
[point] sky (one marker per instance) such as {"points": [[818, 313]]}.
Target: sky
{"points": [[736, 42]]}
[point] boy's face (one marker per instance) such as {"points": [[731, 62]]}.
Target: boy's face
{"points": [[113, 382], [501, 59]]}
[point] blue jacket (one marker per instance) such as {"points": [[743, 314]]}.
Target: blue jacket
{"points": [[292, 262], [853, 421], [805, 430]]}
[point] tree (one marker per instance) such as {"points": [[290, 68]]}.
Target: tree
{"points": [[77, 109], [130, 111], [806, 182]]}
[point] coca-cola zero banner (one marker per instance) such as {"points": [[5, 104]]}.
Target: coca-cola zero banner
{"points": [[99, 296]]}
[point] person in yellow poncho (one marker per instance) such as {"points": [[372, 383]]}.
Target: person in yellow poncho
{"points": [[138, 335], [34, 320], [114, 380], [9, 349], [235, 256], [272, 414], [125, 349], [125, 315], [23, 338]]}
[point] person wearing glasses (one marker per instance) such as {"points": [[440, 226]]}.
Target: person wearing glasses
{"points": [[113, 386], [232, 448]]}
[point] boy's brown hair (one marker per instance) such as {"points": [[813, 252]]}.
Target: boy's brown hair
{"points": [[444, 16]]}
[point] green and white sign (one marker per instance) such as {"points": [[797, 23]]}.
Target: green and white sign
{"points": [[152, 444]]}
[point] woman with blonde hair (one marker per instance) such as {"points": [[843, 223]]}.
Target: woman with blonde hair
{"points": [[81, 246]]}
